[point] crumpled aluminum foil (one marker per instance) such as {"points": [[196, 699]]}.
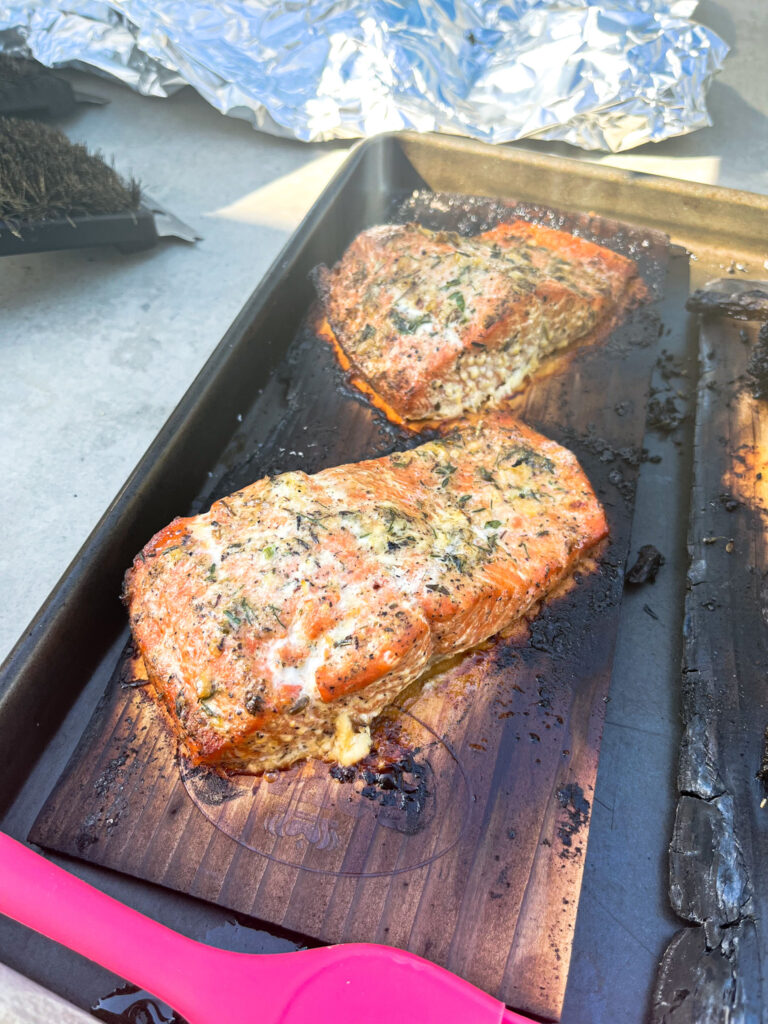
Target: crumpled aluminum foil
{"points": [[601, 74]]}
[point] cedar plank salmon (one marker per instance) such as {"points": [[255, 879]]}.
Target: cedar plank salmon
{"points": [[439, 324], [277, 625]]}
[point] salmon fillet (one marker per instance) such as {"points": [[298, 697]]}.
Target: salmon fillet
{"points": [[277, 625], [439, 324]]}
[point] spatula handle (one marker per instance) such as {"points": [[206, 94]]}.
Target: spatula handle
{"points": [[48, 899]]}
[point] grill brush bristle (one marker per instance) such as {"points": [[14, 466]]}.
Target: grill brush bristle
{"points": [[44, 176]]}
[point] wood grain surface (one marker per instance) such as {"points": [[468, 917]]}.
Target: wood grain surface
{"points": [[474, 856], [714, 969]]}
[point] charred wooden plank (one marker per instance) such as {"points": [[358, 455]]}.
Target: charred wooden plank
{"points": [[714, 970], [743, 300], [474, 856]]}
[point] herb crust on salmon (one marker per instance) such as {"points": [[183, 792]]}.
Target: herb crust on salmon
{"points": [[439, 324], [277, 625]]}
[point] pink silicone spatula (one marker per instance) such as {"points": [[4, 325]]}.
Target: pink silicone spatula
{"points": [[348, 984]]}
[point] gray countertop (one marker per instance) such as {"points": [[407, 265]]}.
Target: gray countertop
{"points": [[97, 348]]}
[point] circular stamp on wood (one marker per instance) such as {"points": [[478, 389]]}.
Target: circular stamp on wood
{"points": [[370, 820]]}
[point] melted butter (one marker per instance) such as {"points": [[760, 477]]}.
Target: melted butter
{"points": [[349, 746]]}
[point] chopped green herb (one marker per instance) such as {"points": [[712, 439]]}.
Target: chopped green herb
{"points": [[488, 476], [275, 611], [248, 611], [493, 524], [406, 326], [269, 551], [458, 298], [210, 576], [455, 560], [446, 471], [520, 455], [346, 642], [234, 620], [367, 332], [315, 520]]}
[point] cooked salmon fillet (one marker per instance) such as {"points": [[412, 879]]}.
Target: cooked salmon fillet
{"points": [[277, 625], [439, 324]]}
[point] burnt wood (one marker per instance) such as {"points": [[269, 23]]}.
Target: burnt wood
{"points": [[476, 861], [714, 969]]}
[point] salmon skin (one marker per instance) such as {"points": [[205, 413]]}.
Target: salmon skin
{"points": [[277, 625], [439, 324]]}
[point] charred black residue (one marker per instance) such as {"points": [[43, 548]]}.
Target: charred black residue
{"points": [[628, 455], [739, 303], [576, 806], [551, 634], [501, 884], [211, 788], [130, 682], [646, 568], [131, 1005], [669, 366], [400, 786], [757, 367], [762, 772], [729, 503], [109, 786], [557, 630], [110, 775], [664, 416], [623, 460], [88, 834], [604, 592], [129, 673]]}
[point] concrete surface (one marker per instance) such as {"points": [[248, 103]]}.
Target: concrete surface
{"points": [[96, 348], [24, 1002]]}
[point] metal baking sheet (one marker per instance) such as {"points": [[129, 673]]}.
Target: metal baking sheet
{"points": [[498, 794], [718, 225]]}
